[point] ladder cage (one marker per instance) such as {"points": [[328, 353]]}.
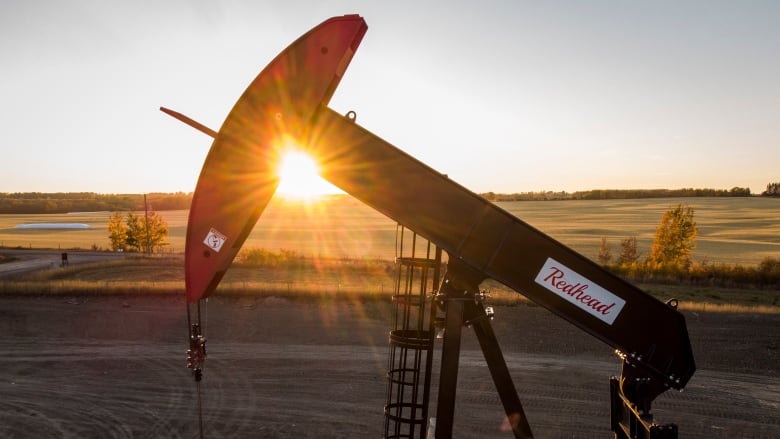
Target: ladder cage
{"points": [[418, 268]]}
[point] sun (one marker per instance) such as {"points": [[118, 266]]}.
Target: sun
{"points": [[299, 177]]}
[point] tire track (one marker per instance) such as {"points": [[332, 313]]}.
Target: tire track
{"points": [[107, 367]]}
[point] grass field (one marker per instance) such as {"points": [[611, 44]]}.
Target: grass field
{"points": [[731, 230], [322, 279]]}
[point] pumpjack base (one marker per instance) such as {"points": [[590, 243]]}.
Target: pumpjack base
{"points": [[460, 297], [628, 422]]}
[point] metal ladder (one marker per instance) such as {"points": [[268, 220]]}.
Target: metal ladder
{"points": [[418, 269]]}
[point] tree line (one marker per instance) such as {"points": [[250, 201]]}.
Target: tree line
{"points": [[65, 202], [620, 194], [772, 190]]}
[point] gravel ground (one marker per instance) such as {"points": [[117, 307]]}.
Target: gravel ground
{"points": [[81, 367]]}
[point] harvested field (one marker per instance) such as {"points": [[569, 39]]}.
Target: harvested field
{"points": [[731, 230]]}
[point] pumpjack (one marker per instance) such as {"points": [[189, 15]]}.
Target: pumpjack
{"points": [[288, 101]]}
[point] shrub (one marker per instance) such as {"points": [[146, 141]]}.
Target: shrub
{"points": [[629, 253], [266, 258], [764, 275], [605, 252]]}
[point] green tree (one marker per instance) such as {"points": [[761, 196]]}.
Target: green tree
{"points": [[135, 233], [605, 252], [117, 231], [629, 252], [155, 232], [772, 190], [737, 191], [675, 239]]}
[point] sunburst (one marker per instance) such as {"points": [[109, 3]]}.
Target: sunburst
{"points": [[299, 176]]}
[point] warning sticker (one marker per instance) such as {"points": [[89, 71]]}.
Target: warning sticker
{"points": [[214, 240]]}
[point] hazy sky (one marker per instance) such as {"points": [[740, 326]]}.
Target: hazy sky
{"points": [[504, 96]]}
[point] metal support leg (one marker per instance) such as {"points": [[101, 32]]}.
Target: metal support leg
{"points": [[448, 378], [460, 294], [475, 314]]}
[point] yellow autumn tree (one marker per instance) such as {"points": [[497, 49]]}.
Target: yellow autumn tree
{"points": [[117, 231], [675, 239], [137, 233]]}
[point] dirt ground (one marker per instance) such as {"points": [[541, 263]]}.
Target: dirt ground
{"points": [[115, 367]]}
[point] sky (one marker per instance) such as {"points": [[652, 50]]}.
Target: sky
{"points": [[503, 96]]}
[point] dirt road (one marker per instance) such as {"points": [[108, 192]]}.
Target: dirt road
{"points": [[114, 367], [23, 261]]}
